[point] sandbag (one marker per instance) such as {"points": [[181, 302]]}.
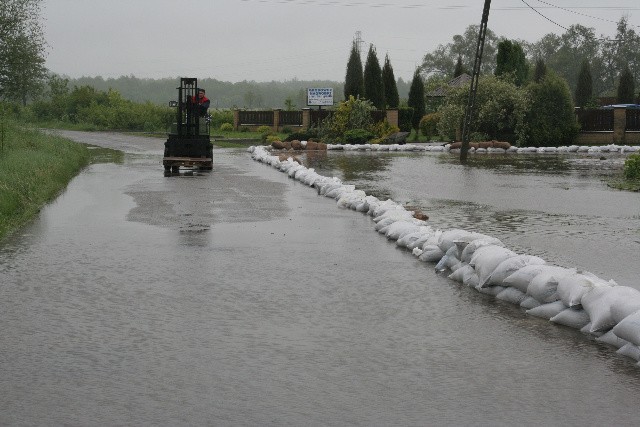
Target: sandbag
{"points": [[521, 278], [572, 287], [431, 253], [487, 258], [611, 339], [544, 285], [449, 236], [547, 311], [459, 273], [471, 247], [512, 295], [598, 301], [494, 291], [400, 228], [510, 266], [630, 350], [629, 328], [572, 318], [449, 259], [407, 240], [529, 302]]}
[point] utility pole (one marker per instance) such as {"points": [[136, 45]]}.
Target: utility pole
{"points": [[358, 41], [469, 112]]}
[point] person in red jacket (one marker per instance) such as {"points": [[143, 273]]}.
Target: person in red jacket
{"points": [[203, 102]]}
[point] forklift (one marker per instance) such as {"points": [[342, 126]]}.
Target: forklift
{"points": [[188, 143]]}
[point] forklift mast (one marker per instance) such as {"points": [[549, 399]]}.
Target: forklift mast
{"points": [[188, 113]]}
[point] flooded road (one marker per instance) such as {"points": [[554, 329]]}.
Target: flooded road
{"points": [[241, 297]]}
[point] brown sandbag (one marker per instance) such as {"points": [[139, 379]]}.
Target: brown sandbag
{"points": [[485, 144], [296, 145], [278, 144], [501, 144], [312, 145], [322, 146], [455, 145]]}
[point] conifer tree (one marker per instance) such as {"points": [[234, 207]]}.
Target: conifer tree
{"points": [[354, 81], [540, 71], [416, 99], [512, 60], [391, 96], [459, 70], [584, 88], [373, 86], [626, 87]]}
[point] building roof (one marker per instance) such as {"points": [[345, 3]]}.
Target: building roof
{"points": [[461, 80]]}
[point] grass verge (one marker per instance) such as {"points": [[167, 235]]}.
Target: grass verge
{"points": [[34, 169]]}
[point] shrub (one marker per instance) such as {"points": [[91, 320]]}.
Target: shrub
{"points": [[350, 114], [405, 116], [302, 135], [286, 129], [429, 124], [264, 132], [226, 127], [357, 136], [244, 129], [632, 167], [383, 129]]}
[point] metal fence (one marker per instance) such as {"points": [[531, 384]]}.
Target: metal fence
{"points": [[256, 118], [595, 120], [633, 120], [291, 118]]}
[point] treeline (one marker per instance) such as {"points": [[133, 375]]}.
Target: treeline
{"points": [[290, 94]]}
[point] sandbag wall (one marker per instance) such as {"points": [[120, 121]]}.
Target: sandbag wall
{"points": [[600, 308]]}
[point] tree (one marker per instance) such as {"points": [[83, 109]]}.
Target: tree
{"points": [[391, 96], [442, 60], [501, 108], [626, 87], [416, 99], [511, 61], [620, 52], [540, 70], [354, 80], [584, 88], [22, 48], [373, 86], [459, 70], [550, 119]]}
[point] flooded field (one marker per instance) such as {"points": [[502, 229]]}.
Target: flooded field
{"points": [[241, 297]]}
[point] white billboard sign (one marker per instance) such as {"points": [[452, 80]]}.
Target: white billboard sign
{"points": [[319, 96]]}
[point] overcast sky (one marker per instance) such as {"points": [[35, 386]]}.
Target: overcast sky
{"points": [[264, 40]]}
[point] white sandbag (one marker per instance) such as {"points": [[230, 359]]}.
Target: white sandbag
{"points": [[408, 240], [449, 236], [630, 350], [471, 247], [624, 307], [384, 223], [417, 251], [521, 278], [487, 258], [598, 301], [494, 291], [420, 241], [611, 339], [629, 328], [529, 302], [572, 318], [512, 295], [400, 228], [348, 198], [398, 213], [464, 240], [385, 206], [449, 259], [459, 273], [547, 311], [572, 287], [587, 330], [431, 253], [510, 266], [544, 286]]}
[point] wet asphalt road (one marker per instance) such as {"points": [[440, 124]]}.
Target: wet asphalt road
{"points": [[240, 297]]}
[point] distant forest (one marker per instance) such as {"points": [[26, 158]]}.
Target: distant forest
{"points": [[245, 94]]}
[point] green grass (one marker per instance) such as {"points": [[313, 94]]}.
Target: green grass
{"points": [[34, 169], [625, 184]]}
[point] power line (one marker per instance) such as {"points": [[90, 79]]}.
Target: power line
{"points": [[539, 13]]}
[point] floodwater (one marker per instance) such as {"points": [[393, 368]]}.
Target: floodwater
{"points": [[241, 297]]}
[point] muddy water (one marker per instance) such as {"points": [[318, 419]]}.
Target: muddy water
{"points": [[554, 206], [240, 297]]}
